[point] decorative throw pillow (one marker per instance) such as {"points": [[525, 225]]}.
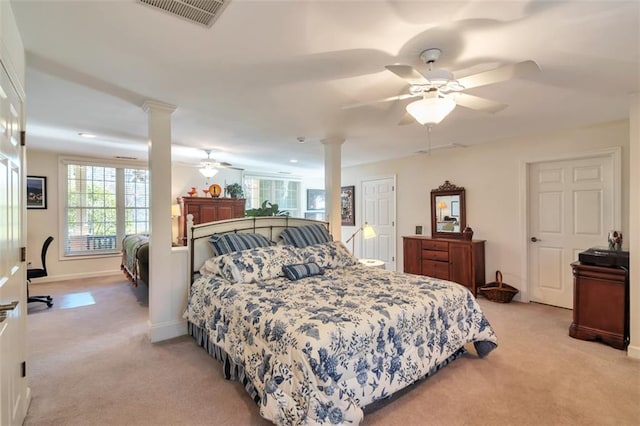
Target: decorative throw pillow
{"points": [[229, 243], [215, 265], [306, 235], [329, 255], [302, 270], [258, 264]]}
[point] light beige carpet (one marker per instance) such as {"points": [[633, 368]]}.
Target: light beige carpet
{"points": [[91, 364]]}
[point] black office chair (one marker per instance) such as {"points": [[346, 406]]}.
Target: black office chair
{"points": [[39, 273]]}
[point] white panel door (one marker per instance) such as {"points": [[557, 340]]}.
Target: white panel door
{"points": [[13, 384], [378, 210], [571, 208]]}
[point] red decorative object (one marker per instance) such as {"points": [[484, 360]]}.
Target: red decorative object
{"points": [[206, 192], [193, 191]]}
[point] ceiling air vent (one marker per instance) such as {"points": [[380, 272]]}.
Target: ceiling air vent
{"points": [[202, 12]]}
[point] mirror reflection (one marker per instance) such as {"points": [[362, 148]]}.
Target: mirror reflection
{"points": [[448, 213]]}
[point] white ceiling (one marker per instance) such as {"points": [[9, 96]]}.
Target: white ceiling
{"points": [[268, 72]]}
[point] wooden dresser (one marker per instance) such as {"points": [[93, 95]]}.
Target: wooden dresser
{"points": [[460, 261], [600, 304], [207, 209]]}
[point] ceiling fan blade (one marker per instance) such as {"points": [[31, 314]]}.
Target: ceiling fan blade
{"points": [[408, 73], [507, 72], [477, 103], [390, 98], [223, 164], [406, 119]]}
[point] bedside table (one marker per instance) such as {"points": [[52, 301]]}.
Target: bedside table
{"points": [[374, 263]]}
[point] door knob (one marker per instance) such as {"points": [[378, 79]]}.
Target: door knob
{"points": [[534, 239], [9, 306]]}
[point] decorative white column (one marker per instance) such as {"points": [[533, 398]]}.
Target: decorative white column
{"points": [[332, 183], [634, 226], [162, 320]]}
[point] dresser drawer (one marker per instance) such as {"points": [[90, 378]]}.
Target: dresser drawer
{"points": [[442, 256], [435, 245], [435, 269]]}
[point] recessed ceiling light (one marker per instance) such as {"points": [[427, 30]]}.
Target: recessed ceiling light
{"points": [[293, 160], [86, 135], [301, 139]]}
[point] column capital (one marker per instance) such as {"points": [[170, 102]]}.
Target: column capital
{"points": [[151, 105], [333, 140]]}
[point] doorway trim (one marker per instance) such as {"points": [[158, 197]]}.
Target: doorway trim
{"points": [[615, 153]]}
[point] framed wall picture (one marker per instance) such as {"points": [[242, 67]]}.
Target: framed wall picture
{"points": [[348, 205], [36, 192], [315, 199]]}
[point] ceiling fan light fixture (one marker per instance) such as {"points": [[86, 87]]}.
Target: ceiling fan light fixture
{"points": [[431, 110], [208, 171]]}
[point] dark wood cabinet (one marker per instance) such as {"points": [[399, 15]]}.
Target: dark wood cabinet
{"points": [[600, 304], [448, 259], [205, 209]]}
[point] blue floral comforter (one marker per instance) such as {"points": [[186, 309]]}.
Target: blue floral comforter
{"points": [[319, 349]]}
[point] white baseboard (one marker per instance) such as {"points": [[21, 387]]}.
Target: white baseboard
{"points": [[633, 352], [93, 274], [167, 330]]}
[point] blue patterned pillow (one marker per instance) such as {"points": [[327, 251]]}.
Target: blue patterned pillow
{"points": [[258, 264], [302, 270], [306, 235], [328, 255], [229, 243]]}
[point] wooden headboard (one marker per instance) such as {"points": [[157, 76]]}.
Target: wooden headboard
{"points": [[269, 226]]}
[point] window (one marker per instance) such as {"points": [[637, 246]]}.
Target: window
{"points": [[103, 203], [283, 192]]}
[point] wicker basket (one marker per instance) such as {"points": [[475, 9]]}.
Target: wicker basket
{"points": [[498, 291]]}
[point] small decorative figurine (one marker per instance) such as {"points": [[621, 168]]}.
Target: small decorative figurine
{"points": [[193, 191]]}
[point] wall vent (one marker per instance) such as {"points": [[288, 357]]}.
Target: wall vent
{"points": [[201, 12]]}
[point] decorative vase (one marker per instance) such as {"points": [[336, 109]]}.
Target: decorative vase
{"points": [[193, 191], [467, 234]]}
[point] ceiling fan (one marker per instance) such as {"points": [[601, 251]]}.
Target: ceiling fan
{"points": [[209, 167], [441, 92]]}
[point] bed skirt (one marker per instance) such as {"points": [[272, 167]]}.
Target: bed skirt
{"points": [[233, 371], [230, 369]]}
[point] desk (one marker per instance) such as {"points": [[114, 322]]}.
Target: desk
{"points": [[374, 263]]}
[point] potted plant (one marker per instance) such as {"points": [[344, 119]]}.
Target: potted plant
{"points": [[266, 209], [235, 190]]}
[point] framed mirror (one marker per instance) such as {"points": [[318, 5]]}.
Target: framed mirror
{"points": [[448, 215]]}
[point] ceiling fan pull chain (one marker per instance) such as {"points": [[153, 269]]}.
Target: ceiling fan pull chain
{"points": [[429, 139]]}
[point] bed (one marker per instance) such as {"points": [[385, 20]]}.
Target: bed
{"points": [[320, 344], [135, 258]]}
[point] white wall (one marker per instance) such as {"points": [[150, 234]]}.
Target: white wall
{"points": [[490, 174]]}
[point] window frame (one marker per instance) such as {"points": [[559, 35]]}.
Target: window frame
{"points": [[273, 178], [63, 190]]}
